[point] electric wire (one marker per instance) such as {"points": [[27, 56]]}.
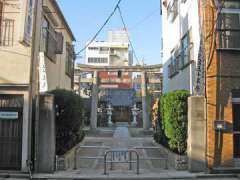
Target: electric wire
{"points": [[125, 28], [101, 28]]}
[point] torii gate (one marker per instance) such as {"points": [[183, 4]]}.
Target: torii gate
{"points": [[95, 69]]}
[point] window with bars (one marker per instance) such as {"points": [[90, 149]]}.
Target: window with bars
{"points": [[229, 30], [7, 32]]}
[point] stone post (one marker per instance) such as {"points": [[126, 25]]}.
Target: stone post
{"points": [[145, 117], [94, 103], [196, 149]]}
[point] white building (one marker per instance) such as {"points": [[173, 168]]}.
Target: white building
{"points": [[114, 51], [181, 41]]}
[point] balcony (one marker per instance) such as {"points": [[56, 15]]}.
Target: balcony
{"points": [[229, 40], [7, 32]]}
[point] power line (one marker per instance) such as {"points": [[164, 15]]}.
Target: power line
{"points": [[151, 14], [99, 31], [125, 28]]}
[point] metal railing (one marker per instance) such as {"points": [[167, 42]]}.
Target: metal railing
{"points": [[88, 157], [121, 156], [163, 158], [7, 32]]}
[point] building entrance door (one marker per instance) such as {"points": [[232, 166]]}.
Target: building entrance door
{"points": [[11, 116], [236, 130]]}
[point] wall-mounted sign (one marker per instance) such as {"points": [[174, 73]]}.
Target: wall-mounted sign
{"points": [[8, 115], [43, 85]]}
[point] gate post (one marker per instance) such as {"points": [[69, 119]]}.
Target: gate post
{"points": [[196, 149], [46, 136], [145, 117]]}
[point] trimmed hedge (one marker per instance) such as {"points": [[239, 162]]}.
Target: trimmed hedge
{"points": [[173, 108], [69, 117]]}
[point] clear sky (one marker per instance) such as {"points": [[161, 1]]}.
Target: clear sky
{"points": [[141, 16]]}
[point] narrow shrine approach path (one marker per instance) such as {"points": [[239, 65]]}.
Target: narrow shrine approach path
{"points": [[119, 137]]}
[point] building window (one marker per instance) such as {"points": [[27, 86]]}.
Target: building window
{"points": [[231, 4], [173, 68], [93, 48], [229, 26], [49, 42], [69, 59], [28, 22], [97, 60], [186, 50], [172, 10], [103, 50]]}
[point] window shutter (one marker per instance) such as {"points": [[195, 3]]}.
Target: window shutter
{"points": [[59, 40], [52, 44]]}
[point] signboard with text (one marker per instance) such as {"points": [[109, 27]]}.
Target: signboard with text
{"points": [[8, 115]]}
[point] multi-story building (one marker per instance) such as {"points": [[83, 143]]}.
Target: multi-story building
{"points": [[113, 52], [180, 44], [215, 24], [32, 34], [221, 30]]}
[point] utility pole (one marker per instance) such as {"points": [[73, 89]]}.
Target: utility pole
{"points": [[34, 85]]}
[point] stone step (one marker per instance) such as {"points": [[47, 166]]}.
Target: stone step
{"points": [[14, 175], [226, 170]]}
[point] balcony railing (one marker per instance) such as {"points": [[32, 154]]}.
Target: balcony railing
{"points": [[229, 40], [7, 32]]}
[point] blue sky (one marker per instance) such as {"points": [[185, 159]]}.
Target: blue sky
{"points": [[141, 16]]}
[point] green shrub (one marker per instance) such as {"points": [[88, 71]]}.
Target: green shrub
{"points": [[174, 119], [69, 120]]}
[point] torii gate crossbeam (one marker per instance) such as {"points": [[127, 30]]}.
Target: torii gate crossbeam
{"points": [[95, 69]]}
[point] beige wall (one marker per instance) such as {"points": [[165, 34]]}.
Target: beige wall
{"points": [[56, 76], [14, 60]]}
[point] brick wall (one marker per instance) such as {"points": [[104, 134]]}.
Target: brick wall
{"points": [[223, 75]]}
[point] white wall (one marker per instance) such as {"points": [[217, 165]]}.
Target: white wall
{"points": [[172, 34]]}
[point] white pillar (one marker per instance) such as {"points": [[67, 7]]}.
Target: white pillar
{"points": [[145, 116], [94, 103]]}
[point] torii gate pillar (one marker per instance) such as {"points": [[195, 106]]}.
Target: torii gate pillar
{"points": [[145, 115], [94, 102]]}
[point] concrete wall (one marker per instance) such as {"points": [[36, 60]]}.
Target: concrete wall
{"points": [[46, 136], [196, 149]]}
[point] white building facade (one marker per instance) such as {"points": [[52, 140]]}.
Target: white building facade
{"points": [[180, 44], [113, 52]]}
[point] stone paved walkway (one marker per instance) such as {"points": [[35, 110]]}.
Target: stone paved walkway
{"points": [[120, 139]]}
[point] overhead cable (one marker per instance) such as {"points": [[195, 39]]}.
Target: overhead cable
{"points": [[99, 31], [125, 28]]}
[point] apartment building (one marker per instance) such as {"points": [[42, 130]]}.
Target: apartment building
{"points": [[222, 82], [180, 44], [34, 35]]}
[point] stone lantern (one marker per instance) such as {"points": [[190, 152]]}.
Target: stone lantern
{"points": [[134, 113], [109, 114]]}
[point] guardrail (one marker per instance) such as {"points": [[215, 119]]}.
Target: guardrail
{"points": [[88, 157], [121, 156], [164, 156]]}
